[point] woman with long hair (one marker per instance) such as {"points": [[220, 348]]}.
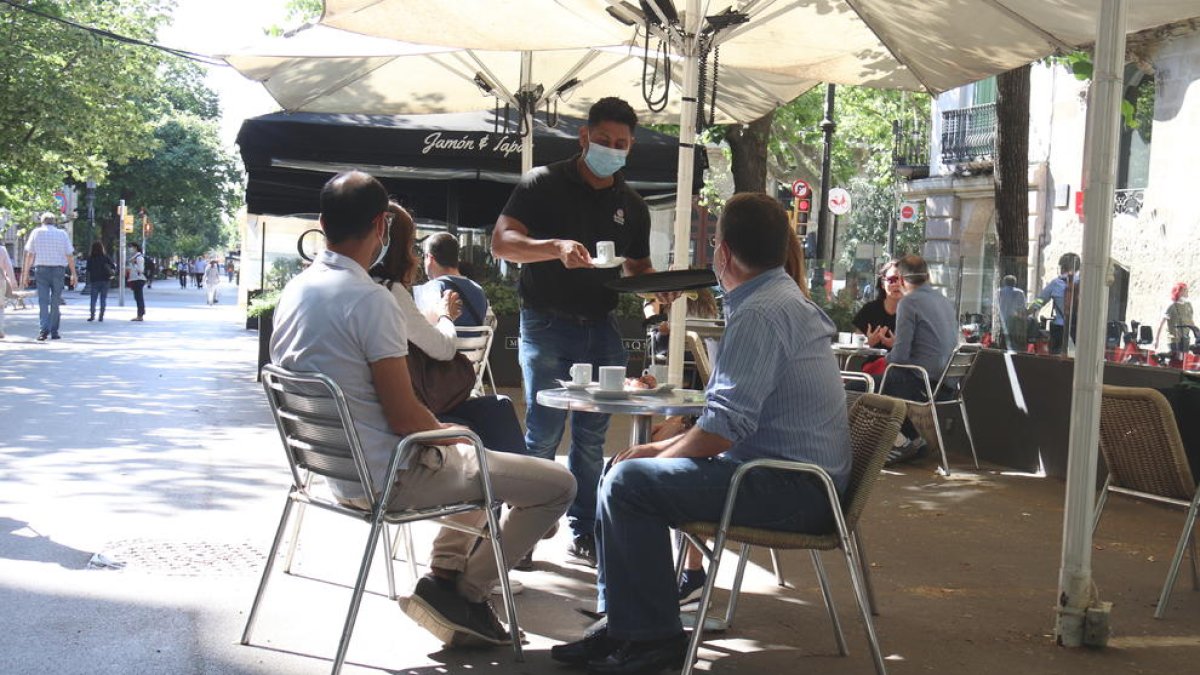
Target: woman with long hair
{"points": [[136, 274], [877, 318], [100, 270]]}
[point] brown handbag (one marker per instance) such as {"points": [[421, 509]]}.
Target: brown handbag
{"points": [[441, 385]]}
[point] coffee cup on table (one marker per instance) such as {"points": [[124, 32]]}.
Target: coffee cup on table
{"points": [[860, 340], [843, 338], [605, 251], [581, 374], [612, 378], [658, 371]]}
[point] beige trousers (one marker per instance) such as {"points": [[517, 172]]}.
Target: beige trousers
{"points": [[539, 492]]}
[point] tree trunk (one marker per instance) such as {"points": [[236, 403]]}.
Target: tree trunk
{"points": [[748, 151], [1012, 172]]}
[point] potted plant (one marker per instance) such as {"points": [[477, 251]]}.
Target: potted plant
{"points": [[262, 312]]}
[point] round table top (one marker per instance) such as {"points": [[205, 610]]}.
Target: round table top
{"points": [[677, 402], [855, 349]]}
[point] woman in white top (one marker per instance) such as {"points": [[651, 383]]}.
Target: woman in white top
{"points": [[494, 418], [212, 281], [7, 280], [135, 272]]}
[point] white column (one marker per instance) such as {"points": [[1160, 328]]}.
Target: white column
{"points": [[526, 85], [1076, 591]]}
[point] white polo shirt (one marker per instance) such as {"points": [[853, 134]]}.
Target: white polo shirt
{"points": [[50, 246], [333, 319]]}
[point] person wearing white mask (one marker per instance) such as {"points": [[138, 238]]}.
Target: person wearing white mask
{"points": [[551, 225]]}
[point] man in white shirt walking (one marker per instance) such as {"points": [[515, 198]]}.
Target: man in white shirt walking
{"points": [[49, 254]]}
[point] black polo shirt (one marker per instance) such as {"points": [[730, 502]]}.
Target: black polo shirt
{"points": [[554, 202]]}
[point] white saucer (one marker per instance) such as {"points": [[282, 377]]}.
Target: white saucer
{"points": [[608, 394], [614, 262], [571, 386], [663, 388]]}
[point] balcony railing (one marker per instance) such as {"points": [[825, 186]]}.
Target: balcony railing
{"points": [[969, 137], [1128, 202], [910, 148]]}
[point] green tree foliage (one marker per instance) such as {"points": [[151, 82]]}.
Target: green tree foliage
{"points": [[297, 13], [70, 101]]}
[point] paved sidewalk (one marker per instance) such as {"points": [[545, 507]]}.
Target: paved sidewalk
{"points": [[151, 444]]}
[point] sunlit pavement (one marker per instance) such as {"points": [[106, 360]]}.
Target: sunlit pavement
{"points": [[151, 444]]}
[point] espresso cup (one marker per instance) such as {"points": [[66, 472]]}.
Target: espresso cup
{"points": [[605, 251], [843, 338], [612, 378], [658, 371], [860, 340], [581, 373]]}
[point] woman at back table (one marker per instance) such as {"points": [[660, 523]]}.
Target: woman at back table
{"points": [[877, 318]]}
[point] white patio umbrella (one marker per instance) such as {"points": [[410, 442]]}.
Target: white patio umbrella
{"points": [[916, 44]]}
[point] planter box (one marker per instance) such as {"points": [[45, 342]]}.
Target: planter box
{"points": [[507, 370], [266, 328]]}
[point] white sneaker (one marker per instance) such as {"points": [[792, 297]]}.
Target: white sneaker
{"points": [[516, 586]]}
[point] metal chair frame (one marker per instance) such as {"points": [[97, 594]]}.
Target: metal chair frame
{"points": [[848, 539], [958, 367], [319, 439], [477, 349], [1118, 442]]}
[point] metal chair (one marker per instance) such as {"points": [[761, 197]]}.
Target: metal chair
{"points": [[475, 342], [1145, 456], [320, 440], [874, 422], [947, 392]]}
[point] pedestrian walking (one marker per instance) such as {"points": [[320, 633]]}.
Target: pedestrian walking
{"points": [[198, 268], [181, 270], [151, 269], [229, 270], [100, 271], [136, 274], [7, 281], [212, 281], [48, 253]]}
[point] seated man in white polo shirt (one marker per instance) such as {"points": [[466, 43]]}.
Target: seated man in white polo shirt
{"points": [[333, 319]]}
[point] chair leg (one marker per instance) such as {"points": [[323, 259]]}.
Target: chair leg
{"points": [[1184, 538], [860, 595], [360, 584], [689, 660], [295, 538], [962, 408], [510, 605], [388, 562], [1100, 502], [827, 595], [856, 542], [736, 591], [937, 431], [409, 551], [1195, 574], [262, 584], [779, 580], [681, 545]]}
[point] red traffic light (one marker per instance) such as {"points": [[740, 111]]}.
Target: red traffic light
{"points": [[803, 205]]}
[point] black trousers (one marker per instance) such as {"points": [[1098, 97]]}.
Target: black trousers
{"points": [[138, 288]]}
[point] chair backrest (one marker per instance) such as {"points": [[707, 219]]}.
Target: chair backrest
{"points": [[1141, 444], [874, 422], [475, 342], [699, 352], [957, 368], [315, 426]]}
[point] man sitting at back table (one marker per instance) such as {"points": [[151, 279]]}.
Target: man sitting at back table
{"points": [[441, 266], [333, 319], [926, 335], [774, 393]]}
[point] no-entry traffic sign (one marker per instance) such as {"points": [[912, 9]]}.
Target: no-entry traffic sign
{"points": [[908, 213], [801, 189]]}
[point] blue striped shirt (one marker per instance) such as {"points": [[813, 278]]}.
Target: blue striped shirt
{"points": [[775, 390]]}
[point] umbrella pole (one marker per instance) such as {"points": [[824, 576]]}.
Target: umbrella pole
{"points": [[1081, 619], [689, 44], [527, 112]]}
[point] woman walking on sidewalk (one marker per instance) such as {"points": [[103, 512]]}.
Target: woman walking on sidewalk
{"points": [[8, 280], [212, 281], [100, 270], [136, 274]]}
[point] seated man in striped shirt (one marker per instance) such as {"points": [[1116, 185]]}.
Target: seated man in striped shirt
{"points": [[774, 393]]}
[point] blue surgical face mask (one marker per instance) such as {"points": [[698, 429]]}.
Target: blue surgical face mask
{"points": [[386, 243], [604, 161]]}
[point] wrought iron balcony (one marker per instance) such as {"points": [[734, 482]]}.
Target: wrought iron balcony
{"points": [[910, 148], [1128, 202], [969, 137]]}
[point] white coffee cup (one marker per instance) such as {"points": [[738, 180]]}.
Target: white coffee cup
{"points": [[581, 374], [658, 371], [843, 338], [612, 378], [860, 340], [605, 251]]}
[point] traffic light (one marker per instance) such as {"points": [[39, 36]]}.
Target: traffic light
{"points": [[803, 208]]}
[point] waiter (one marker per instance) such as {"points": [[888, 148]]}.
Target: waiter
{"points": [[551, 225]]}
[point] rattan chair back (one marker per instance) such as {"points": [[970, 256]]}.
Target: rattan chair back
{"points": [[1141, 444], [874, 422]]}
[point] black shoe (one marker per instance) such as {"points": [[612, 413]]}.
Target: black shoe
{"points": [[583, 548], [595, 645], [642, 657], [438, 608], [42, 336], [691, 586], [55, 336], [91, 318], [910, 451]]}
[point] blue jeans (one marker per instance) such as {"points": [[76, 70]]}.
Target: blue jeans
{"points": [[50, 282], [99, 288], [493, 418], [640, 499], [549, 345]]}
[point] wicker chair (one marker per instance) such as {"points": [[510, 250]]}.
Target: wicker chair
{"points": [[947, 392], [874, 422], [1144, 453]]}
